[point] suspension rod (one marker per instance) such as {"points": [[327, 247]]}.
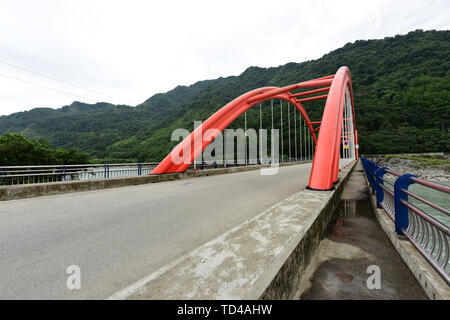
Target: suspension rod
{"points": [[289, 131], [281, 124], [245, 135], [295, 135], [300, 135], [260, 129]]}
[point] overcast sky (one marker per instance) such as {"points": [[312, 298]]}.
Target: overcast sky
{"points": [[126, 51]]}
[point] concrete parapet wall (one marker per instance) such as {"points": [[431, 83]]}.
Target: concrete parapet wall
{"points": [[433, 285], [46, 189], [262, 258]]}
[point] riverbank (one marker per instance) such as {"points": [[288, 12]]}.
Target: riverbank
{"points": [[429, 167]]}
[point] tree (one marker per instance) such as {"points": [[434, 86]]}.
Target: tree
{"points": [[18, 150]]}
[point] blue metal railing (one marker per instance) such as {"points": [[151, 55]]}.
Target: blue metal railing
{"points": [[428, 235], [13, 175]]}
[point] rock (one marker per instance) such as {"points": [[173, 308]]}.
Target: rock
{"points": [[410, 166]]}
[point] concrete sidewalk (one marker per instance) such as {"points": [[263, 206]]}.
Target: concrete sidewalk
{"points": [[353, 241]]}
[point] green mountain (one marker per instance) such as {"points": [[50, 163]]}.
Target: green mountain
{"points": [[401, 86]]}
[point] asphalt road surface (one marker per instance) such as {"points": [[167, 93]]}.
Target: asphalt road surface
{"points": [[119, 236]]}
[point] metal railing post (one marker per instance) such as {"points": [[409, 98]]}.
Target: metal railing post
{"points": [[364, 164], [371, 175], [401, 211], [379, 180], [106, 166], [366, 169], [3, 173]]}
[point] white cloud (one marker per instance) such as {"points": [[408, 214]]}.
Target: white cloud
{"points": [[134, 49]]}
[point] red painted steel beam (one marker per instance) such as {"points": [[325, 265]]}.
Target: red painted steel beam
{"points": [[306, 84], [325, 167], [307, 93], [331, 76], [312, 98]]}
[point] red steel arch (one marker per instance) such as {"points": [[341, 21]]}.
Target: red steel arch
{"points": [[325, 169], [326, 158]]}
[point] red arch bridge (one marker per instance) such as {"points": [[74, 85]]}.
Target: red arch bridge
{"points": [[334, 138], [237, 236]]}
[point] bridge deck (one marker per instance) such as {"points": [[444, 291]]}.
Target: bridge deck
{"points": [[118, 236]]}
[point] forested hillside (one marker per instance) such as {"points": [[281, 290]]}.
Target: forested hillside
{"points": [[401, 86], [16, 149]]}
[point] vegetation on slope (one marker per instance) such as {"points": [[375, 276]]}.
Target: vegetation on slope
{"points": [[401, 86], [17, 150]]}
